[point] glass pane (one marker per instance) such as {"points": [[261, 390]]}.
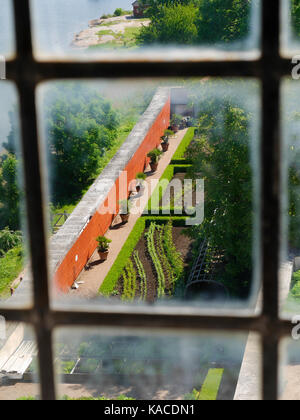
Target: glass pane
{"points": [[146, 29], [15, 273], [18, 362], [291, 210], [290, 365], [7, 41], [185, 156], [290, 38], [93, 363]]}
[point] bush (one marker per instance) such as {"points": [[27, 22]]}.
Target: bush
{"points": [[9, 240], [155, 155], [118, 12], [103, 244]]}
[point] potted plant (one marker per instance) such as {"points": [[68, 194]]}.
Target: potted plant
{"points": [[165, 140], [125, 206], [154, 156], [175, 122], [140, 180], [103, 247]]}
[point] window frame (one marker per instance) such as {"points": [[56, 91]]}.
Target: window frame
{"points": [[26, 72]]}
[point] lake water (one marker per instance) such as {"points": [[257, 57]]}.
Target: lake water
{"points": [[57, 21]]}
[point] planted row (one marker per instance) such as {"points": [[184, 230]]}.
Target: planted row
{"points": [[141, 274], [155, 260]]}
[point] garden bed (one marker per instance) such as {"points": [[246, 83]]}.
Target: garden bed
{"points": [[156, 286]]}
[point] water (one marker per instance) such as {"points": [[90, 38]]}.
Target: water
{"points": [[57, 21]]}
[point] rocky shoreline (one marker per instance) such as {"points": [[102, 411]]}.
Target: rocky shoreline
{"points": [[116, 26]]}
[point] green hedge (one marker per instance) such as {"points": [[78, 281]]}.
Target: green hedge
{"points": [[155, 199], [161, 220], [182, 148], [113, 276]]}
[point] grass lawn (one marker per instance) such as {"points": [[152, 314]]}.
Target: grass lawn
{"points": [[11, 266]]}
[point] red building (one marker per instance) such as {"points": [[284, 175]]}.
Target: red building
{"points": [[139, 9]]}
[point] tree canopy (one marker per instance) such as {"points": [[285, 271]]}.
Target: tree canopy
{"points": [[196, 21], [81, 126], [222, 157]]}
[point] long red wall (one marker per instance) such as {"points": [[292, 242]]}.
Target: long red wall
{"points": [[69, 269]]}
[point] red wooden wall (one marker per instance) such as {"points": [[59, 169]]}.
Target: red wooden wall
{"points": [[82, 250]]}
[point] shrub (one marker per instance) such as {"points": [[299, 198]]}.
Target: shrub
{"points": [[151, 246], [118, 12], [141, 175], [155, 155], [103, 244], [9, 240]]}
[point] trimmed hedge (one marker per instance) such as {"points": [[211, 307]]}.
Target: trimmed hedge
{"points": [[113, 276], [182, 148], [161, 220], [155, 199]]}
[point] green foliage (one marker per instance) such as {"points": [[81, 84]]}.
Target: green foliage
{"points": [[10, 267], [9, 193], [189, 22], [154, 155], [9, 240], [142, 275], [103, 243], [81, 126], [141, 175], [129, 282], [167, 268], [186, 141], [151, 246], [160, 189], [296, 17], [174, 257], [221, 156], [110, 281], [295, 292], [174, 24]]}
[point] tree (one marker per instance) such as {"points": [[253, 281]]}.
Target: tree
{"points": [[9, 194], [171, 24], [196, 21], [221, 157], [296, 16], [81, 127]]}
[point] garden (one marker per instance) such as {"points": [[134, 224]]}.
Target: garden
{"points": [[155, 260]]}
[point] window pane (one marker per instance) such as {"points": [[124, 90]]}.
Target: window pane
{"points": [[94, 363], [18, 362], [290, 39], [7, 42], [15, 273], [192, 238], [81, 28], [290, 364], [291, 209]]}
